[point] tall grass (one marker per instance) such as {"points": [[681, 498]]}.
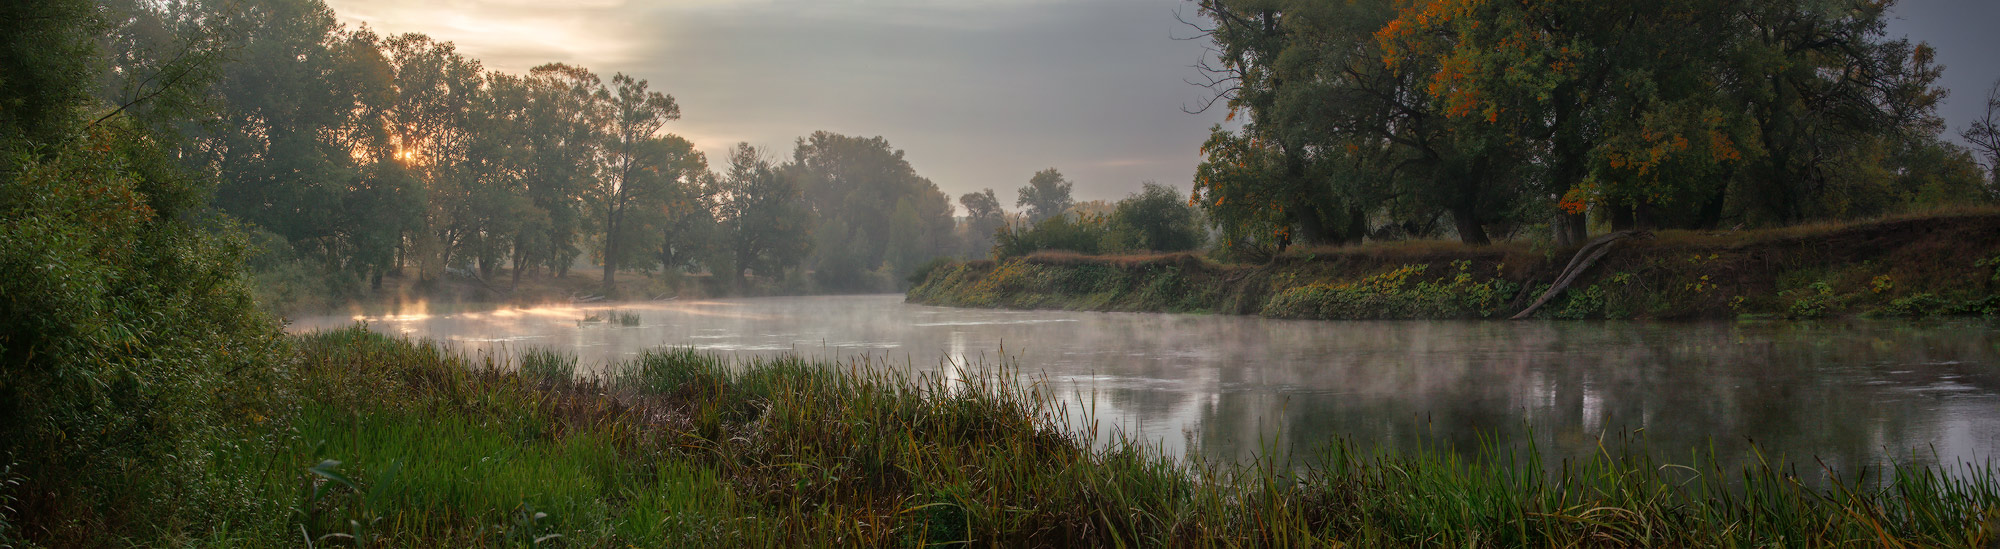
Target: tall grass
{"points": [[683, 448]]}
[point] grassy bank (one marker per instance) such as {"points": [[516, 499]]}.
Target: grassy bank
{"points": [[389, 443], [1933, 265]]}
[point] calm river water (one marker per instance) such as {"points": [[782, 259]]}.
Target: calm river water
{"points": [[1847, 392]]}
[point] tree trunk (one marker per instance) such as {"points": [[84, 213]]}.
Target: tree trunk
{"points": [[610, 251], [1470, 230], [1357, 225], [1622, 217], [1312, 229], [1571, 229], [520, 264]]}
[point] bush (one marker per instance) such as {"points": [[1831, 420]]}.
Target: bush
{"points": [[1817, 302], [1399, 293], [1081, 233], [128, 340], [1155, 219], [924, 271]]}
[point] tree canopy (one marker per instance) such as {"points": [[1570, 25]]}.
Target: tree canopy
{"points": [[1377, 116]]}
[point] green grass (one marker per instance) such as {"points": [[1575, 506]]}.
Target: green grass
{"points": [[683, 448]]}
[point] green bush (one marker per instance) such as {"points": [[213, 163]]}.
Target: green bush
{"points": [[1397, 294], [924, 271], [1155, 219], [1080, 233], [1817, 302], [127, 339], [1917, 306]]}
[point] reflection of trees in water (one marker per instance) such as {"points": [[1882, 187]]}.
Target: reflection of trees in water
{"points": [[1843, 394]]}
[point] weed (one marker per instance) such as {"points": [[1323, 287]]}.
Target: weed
{"points": [[1817, 302], [548, 365], [1916, 306]]}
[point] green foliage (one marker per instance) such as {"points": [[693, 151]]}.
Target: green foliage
{"points": [[1399, 293], [1992, 262], [1045, 196], [873, 211], [1402, 114], [1816, 301], [406, 444], [1155, 219], [765, 217], [924, 271], [48, 54], [983, 216], [1081, 233], [549, 365], [1581, 303], [1917, 306], [127, 336]]}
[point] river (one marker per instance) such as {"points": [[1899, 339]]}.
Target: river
{"points": [[1848, 393]]}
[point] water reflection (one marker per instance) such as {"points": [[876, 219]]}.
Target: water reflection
{"points": [[1850, 393]]}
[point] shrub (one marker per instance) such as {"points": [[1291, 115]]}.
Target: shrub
{"points": [[1817, 302], [128, 340], [1154, 219], [1396, 294], [924, 271], [1916, 306], [1081, 233]]}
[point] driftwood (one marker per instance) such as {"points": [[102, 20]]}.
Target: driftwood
{"points": [[1582, 261]]}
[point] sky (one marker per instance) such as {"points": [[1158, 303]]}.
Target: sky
{"points": [[980, 94]]}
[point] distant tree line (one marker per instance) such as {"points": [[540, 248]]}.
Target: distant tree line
{"points": [[355, 157], [1467, 118]]}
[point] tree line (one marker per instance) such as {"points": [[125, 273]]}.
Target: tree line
{"points": [[1473, 118], [353, 157]]}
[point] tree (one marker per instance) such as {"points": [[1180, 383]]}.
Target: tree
{"points": [[565, 135], [1496, 114], [303, 148], [1984, 135], [431, 132], [48, 52], [634, 162], [764, 216], [854, 186], [1155, 219], [1045, 196], [689, 233], [982, 216]]}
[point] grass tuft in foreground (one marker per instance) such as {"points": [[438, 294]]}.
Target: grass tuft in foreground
{"points": [[403, 444]]}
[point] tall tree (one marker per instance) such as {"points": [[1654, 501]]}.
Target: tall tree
{"points": [[430, 123], [633, 160], [983, 215], [764, 215], [854, 185], [1046, 195], [565, 134], [1984, 135]]}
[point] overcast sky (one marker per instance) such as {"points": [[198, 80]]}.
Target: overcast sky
{"points": [[980, 93]]}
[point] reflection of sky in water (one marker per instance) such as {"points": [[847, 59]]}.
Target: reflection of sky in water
{"points": [[1847, 392]]}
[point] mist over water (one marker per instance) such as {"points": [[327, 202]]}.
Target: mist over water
{"points": [[1849, 393]]}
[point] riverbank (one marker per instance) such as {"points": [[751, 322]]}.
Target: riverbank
{"points": [[1933, 265], [382, 442]]}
